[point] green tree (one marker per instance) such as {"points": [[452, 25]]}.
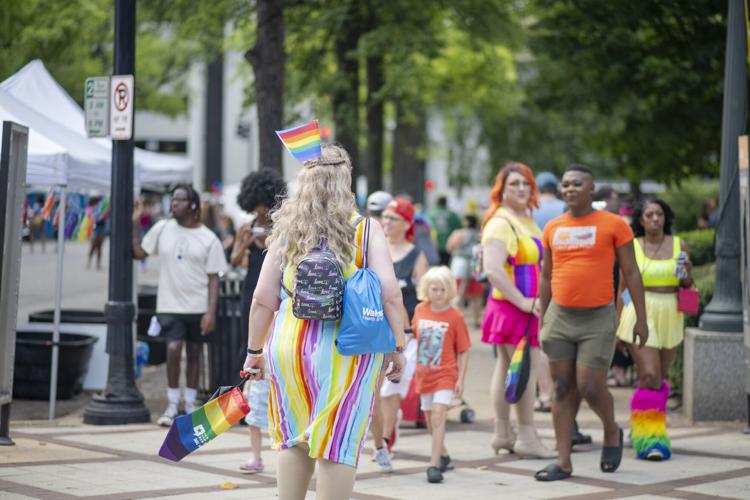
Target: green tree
{"points": [[74, 40], [647, 74]]}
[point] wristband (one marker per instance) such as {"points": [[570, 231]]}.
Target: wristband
{"points": [[255, 352], [399, 348], [408, 330]]}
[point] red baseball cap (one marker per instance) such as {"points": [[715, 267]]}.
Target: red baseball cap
{"points": [[404, 209]]}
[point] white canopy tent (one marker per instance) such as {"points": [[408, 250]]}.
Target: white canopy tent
{"points": [[88, 163], [48, 163], [35, 88], [60, 154], [47, 160]]}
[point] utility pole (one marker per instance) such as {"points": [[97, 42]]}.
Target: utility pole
{"points": [[121, 402], [724, 312]]}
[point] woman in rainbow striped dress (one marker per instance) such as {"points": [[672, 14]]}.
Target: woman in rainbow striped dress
{"points": [[512, 260], [320, 401]]}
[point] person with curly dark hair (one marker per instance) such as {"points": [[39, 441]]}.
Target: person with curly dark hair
{"points": [[664, 264], [261, 191]]}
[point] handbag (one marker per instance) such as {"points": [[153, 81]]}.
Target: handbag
{"points": [[363, 328], [688, 300], [517, 376], [189, 432]]}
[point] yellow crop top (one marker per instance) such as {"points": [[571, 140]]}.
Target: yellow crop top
{"points": [[660, 272]]}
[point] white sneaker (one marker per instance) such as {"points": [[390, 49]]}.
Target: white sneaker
{"points": [[383, 459], [190, 407], [168, 416]]}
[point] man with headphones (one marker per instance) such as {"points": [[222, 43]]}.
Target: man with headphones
{"points": [[191, 259]]}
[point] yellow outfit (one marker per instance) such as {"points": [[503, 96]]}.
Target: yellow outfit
{"points": [[665, 322]]}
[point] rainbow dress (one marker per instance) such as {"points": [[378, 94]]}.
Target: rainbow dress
{"points": [[318, 396], [503, 322]]}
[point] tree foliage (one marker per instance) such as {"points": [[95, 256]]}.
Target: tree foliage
{"points": [[648, 75], [74, 40]]}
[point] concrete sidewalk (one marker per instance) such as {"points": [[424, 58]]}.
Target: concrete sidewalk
{"points": [[121, 462], [65, 459]]}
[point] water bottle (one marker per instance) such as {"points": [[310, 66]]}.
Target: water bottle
{"points": [[141, 357], [681, 268]]}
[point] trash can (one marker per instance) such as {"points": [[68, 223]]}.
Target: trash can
{"points": [[228, 342], [87, 322], [157, 346], [33, 360]]}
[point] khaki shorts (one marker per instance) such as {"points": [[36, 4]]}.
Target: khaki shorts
{"points": [[583, 335]]}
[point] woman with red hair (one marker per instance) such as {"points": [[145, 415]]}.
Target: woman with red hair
{"points": [[512, 261]]}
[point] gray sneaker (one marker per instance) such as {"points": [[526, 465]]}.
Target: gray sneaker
{"points": [[168, 416], [383, 459]]}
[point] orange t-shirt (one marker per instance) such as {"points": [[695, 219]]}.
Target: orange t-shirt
{"points": [[583, 257], [441, 336]]}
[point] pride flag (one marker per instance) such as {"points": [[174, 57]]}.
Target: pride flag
{"points": [[190, 432], [517, 375], [302, 141], [47, 208]]}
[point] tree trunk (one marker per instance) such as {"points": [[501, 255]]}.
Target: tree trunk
{"points": [[374, 159], [635, 190], [267, 58], [345, 95], [409, 143]]}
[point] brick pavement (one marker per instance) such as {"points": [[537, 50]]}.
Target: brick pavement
{"points": [[65, 459]]}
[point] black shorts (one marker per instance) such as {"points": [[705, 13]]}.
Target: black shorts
{"points": [[185, 327]]}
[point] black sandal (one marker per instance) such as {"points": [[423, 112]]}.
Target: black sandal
{"points": [[542, 406], [611, 456], [553, 472]]}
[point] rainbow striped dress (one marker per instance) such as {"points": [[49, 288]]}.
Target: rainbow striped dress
{"points": [[504, 323], [318, 396]]}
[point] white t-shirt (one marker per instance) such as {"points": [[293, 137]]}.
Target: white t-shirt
{"points": [[188, 256]]}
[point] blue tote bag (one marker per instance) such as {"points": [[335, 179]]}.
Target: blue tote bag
{"points": [[363, 328]]}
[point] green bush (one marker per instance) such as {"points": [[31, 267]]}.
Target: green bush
{"points": [[705, 281], [700, 244], [688, 198]]}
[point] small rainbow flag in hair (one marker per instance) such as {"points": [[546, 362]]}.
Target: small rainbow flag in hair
{"points": [[302, 141], [190, 432]]}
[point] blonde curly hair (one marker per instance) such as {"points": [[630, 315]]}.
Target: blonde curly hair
{"points": [[322, 206], [439, 274]]}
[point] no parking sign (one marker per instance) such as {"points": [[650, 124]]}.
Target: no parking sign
{"points": [[121, 107]]}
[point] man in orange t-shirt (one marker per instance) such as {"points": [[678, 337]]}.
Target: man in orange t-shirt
{"points": [[578, 314]]}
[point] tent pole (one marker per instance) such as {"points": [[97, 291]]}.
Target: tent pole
{"points": [[58, 304]]}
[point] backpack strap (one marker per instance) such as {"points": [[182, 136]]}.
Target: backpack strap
{"points": [[363, 239], [512, 227]]}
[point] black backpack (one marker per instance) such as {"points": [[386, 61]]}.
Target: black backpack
{"points": [[318, 286]]}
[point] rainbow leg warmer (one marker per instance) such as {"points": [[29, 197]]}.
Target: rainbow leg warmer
{"points": [[648, 421]]}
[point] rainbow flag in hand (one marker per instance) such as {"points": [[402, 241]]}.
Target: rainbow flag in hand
{"points": [[303, 141], [517, 375], [190, 432]]}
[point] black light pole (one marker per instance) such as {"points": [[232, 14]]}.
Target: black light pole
{"points": [[724, 312], [121, 402]]}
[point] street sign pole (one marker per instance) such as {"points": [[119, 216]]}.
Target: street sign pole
{"points": [[121, 402], [724, 312]]}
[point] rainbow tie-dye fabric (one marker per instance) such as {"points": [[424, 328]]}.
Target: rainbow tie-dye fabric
{"points": [[648, 422], [525, 267], [318, 396]]}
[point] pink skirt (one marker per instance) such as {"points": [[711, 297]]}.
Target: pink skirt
{"points": [[504, 323]]}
